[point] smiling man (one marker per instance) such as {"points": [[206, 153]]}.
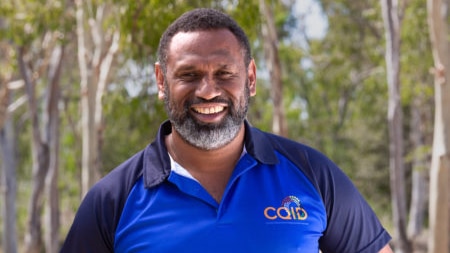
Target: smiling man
{"points": [[206, 87], [212, 183]]}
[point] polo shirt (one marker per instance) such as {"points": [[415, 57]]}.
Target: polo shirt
{"points": [[282, 196]]}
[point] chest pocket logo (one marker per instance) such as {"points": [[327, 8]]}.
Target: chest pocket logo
{"points": [[290, 209]]}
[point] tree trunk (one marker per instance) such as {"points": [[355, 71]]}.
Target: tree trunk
{"points": [[88, 175], [33, 236], [44, 145], [5, 76], [270, 41], [93, 84], [419, 189], [8, 178], [439, 209], [3, 101], [391, 20], [52, 138]]}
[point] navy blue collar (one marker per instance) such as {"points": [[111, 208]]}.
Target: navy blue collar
{"points": [[157, 162]]}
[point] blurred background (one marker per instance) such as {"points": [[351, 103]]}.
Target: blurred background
{"points": [[365, 82]]}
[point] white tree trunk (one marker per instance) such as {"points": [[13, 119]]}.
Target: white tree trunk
{"points": [[94, 72], [52, 138], [270, 41], [392, 22], [44, 138], [33, 236], [439, 209], [87, 162], [418, 183], [4, 101]]}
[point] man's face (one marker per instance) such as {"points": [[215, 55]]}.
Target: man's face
{"points": [[207, 87]]}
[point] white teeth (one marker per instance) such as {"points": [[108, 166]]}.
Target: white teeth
{"points": [[209, 110]]}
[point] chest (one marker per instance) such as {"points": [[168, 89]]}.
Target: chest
{"points": [[263, 209]]}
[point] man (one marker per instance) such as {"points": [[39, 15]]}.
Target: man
{"points": [[212, 183]]}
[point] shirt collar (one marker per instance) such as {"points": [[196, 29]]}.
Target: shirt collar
{"points": [[157, 165]]}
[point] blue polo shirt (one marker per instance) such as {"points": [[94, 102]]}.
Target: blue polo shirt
{"points": [[282, 197]]}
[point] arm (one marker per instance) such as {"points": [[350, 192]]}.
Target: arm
{"points": [[92, 229], [386, 249], [352, 225]]}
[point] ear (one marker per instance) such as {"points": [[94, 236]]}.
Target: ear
{"points": [[160, 80], [252, 77]]}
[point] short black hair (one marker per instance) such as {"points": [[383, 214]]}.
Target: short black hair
{"points": [[202, 19]]}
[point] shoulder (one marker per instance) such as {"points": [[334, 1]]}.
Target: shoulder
{"points": [[96, 219], [120, 180], [350, 219], [314, 164]]}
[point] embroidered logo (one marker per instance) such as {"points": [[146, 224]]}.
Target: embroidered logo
{"points": [[290, 209]]}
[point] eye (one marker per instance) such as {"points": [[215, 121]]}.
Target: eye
{"points": [[189, 76], [224, 74]]}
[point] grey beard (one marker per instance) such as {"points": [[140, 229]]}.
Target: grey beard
{"points": [[208, 137]]}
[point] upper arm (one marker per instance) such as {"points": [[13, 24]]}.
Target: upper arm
{"points": [[386, 249], [92, 228], [352, 225]]}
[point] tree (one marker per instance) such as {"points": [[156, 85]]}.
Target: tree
{"points": [[439, 208], [96, 53], [44, 150], [269, 38], [8, 182], [392, 20], [418, 104], [35, 33], [52, 131]]}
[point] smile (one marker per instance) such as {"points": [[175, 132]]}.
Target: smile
{"points": [[209, 110]]}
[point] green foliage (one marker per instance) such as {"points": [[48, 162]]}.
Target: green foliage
{"points": [[260, 108], [26, 21], [416, 59], [132, 123], [335, 93], [246, 13], [143, 22]]}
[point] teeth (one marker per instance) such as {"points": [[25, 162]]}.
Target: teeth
{"points": [[209, 110]]}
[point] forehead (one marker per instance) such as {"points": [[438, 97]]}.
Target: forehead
{"points": [[204, 44]]}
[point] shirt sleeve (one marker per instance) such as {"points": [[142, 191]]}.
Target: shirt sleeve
{"points": [[352, 225], [92, 229], [94, 225]]}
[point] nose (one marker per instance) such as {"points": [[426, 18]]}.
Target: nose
{"points": [[207, 88]]}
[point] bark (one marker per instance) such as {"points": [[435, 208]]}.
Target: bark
{"points": [[87, 162], [392, 22], [5, 78], [419, 186], [33, 235], [44, 145], [3, 102], [94, 72], [8, 185], [105, 67], [8, 178], [439, 207], [52, 138], [270, 42]]}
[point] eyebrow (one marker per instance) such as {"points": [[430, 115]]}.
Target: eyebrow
{"points": [[185, 68]]}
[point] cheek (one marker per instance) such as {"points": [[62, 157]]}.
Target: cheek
{"points": [[178, 94], [177, 97], [240, 93]]}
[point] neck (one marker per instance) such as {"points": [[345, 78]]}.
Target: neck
{"points": [[212, 168]]}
